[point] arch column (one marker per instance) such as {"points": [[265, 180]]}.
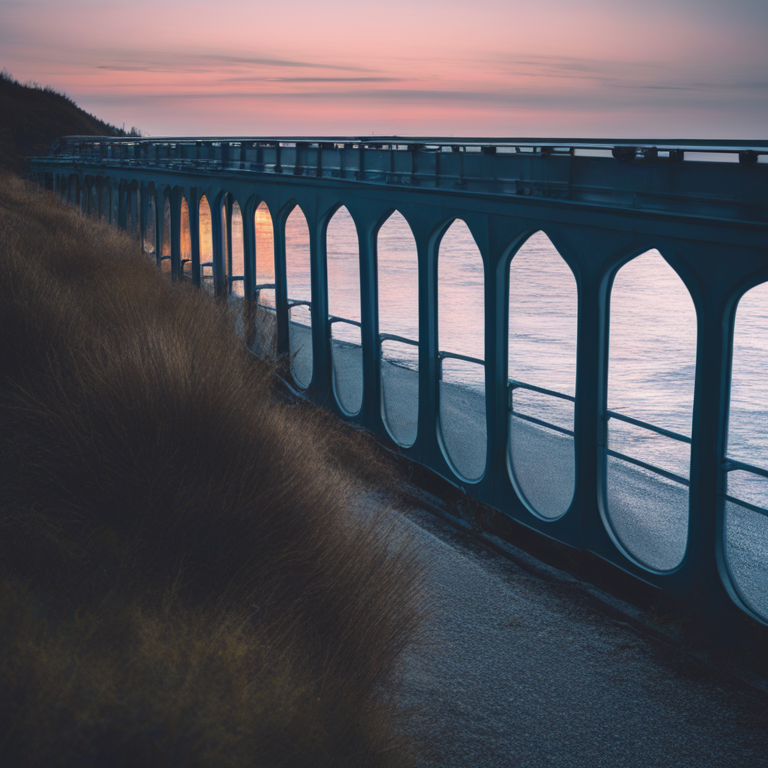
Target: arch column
{"points": [[227, 209], [83, 195], [175, 202], [193, 201], [496, 320], [159, 225], [707, 585], [281, 284], [427, 445], [592, 253], [249, 253], [322, 375], [370, 410], [144, 215], [122, 213], [217, 232]]}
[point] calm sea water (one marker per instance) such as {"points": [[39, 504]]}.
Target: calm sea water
{"points": [[652, 330]]}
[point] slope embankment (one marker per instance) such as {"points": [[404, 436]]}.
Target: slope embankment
{"points": [[32, 117], [188, 575]]}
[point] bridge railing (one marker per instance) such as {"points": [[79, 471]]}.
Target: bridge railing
{"points": [[601, 203], [508, 166]]}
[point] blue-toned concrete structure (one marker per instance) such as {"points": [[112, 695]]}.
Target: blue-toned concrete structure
{"points": [[702, 205]]}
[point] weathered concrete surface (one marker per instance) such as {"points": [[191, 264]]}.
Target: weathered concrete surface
{"points": [[520, 670]]}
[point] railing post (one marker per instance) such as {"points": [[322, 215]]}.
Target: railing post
{"points": [[495, 354], [322, 377], [249, 254], [113, 202], [143, 213], [83, 195], [705, 589], [193, 199], [122, 214], [175, 201], [591, 378], [281, 285], [134, 210], [370, 411], [217, 232], [159, 225], [227, 209], [429, 384]]}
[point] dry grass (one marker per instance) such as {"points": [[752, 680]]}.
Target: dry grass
{"points": [[187, 574]]}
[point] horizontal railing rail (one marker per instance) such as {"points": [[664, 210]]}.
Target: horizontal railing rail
{"points": [[650, 467], [449, 144], [731, 465], [646, 425], [442, 355], [394, 337], [513, 385], [334, 319]]}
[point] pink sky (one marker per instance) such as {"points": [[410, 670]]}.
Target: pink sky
{"points": [[694, 68]]}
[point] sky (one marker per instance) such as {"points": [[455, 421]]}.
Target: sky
{"points": [[497, 68]]}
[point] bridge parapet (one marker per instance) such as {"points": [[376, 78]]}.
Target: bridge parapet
{"points": [[697, 177], [702, 205]]}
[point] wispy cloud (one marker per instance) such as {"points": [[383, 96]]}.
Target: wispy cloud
{"points": [[314, 79], [156, 61]]}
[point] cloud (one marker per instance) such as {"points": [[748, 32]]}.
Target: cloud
{"points": [[313, 80], [157, 61]]}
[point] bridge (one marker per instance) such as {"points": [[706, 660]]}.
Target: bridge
{"points": [[702, 205]]}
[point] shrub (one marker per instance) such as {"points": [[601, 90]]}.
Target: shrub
{"points": [[190, 571]]}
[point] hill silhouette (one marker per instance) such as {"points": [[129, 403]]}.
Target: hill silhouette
{"points": [[33, 116]]}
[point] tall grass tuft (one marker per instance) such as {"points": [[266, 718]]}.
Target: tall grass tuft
{"points": [[190, 574]]}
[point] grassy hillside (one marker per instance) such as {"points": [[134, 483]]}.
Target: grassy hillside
{"points": [[190, 574], [33, 117]]}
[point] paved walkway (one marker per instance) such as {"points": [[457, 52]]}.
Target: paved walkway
{"points": [[517, 670]]}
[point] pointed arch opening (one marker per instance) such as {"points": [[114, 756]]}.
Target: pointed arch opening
{"points": [[299, 287], [746, 503], [543, 308], [651, 368], [461, 341], [186, 241], [206, 244], [265, 256], [343, 263], [236, 254], [398, 300], [149, 243], [165, 255], [225, 241]]}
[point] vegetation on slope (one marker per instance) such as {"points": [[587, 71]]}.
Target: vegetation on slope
{"points": [[189, 573], [32, 117]]}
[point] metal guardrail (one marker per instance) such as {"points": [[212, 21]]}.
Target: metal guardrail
{"points": [[562, 145], [599, 171]]}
